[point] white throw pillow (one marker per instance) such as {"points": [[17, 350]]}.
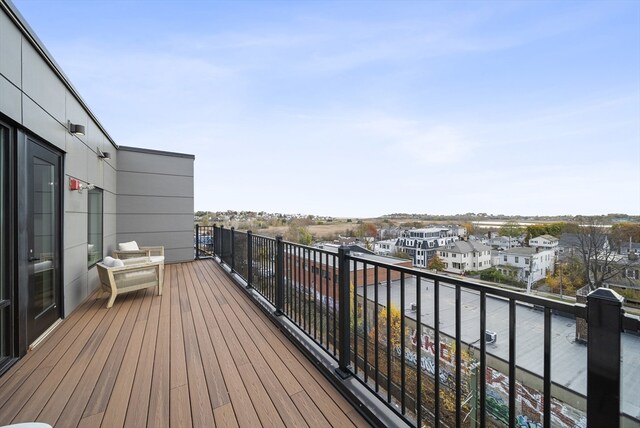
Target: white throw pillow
{"points": [[128, 246], [118, 263], [109, 261]]}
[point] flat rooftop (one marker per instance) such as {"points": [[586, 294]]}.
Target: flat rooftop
{"points": [[568, 357]]}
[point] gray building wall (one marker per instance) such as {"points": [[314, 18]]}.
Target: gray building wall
{"points": [[38, 99], [155, 200]]}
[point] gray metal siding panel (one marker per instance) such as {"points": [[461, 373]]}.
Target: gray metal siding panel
{"points": [[132, 223], [128, 204], [76, 158], [41, 83], [39, 121], [74, 293], [140, 162], [75, 262], [11, 48], [144, 184], [178, 239], [75, 226], [10, 100], [155, 202]]}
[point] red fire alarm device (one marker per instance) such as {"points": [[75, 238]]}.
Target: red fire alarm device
{"points": [[74, 184]]}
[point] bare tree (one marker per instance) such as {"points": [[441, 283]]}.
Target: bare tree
{"points": [[601, 261]]}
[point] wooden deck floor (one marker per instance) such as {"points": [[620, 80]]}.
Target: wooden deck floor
{"points": [[200, 355]]}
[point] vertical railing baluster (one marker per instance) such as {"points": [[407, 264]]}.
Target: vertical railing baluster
{"points": [[403, 384], [344, 321], [354, 287], [512, 362], [287, 270], [279, 276], [418, 351], [197, 242], [222, 243], [483, 358], [436, 341], [335, 310], [376, 324], [458, 357], [315, 291], [389, 341], [249, 258], [233, 249], [299, 284], [364, 322], [547, 368]]}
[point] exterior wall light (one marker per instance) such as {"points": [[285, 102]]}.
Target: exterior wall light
{"points": [[75, 128], [103, 155]]}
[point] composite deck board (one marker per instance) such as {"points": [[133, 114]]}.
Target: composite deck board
{"points": [[202, 354]]}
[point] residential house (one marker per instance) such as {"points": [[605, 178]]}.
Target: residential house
{"points": [[385, 247], [524, 262], [421, 244], [544, 241], [463, 256], [504, 242], [631, 247], [569, 245]]}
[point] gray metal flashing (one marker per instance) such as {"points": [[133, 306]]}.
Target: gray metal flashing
{"points": [[156, 152], [18, 19]]}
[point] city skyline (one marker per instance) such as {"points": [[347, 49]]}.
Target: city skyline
{"points": [[497, 107]]}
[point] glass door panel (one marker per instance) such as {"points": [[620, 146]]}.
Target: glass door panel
{"points": [[44, 239], [5, 297]]}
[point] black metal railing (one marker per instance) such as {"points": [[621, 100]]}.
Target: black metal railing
{"points": [[203, 241], [422, 342]]}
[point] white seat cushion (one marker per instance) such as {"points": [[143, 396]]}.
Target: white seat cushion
{"points": [[128, 246], [135, 260], [157, 259]]}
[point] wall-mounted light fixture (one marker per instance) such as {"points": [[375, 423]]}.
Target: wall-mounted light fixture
{"points": [[79, 186], [103, 155], [75, 128]]}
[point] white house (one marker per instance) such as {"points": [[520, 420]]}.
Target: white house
{"points": [[385, 247], [461, 256], [421, 244], [544, 241], [525, 261], [497, 241]]}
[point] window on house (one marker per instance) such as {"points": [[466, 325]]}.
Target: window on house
{"points": [[517, 259], [94, 238], [505, 258], [526, 261]]}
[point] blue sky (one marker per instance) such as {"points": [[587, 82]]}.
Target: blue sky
{"points": [[367, 108]]}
